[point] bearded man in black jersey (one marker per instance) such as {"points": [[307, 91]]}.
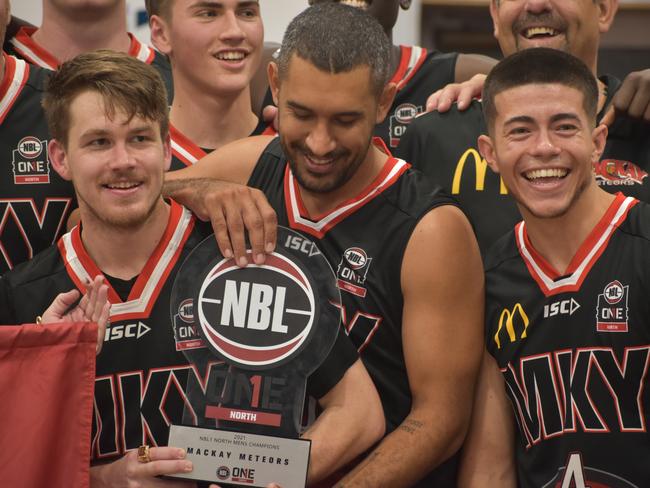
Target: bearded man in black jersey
{"points": [[567, 311], [406, 260]]}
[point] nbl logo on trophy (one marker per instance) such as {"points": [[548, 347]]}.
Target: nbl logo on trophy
{"points": [[258, 332], [250, 322]]}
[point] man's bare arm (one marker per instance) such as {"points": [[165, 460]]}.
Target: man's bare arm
{"points": [[352, 421], [488, 453], [442, 284]]}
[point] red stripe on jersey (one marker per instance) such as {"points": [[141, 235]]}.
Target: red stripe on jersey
{"points": [[34, 53], [15, 77], [151, 279], [141, 51], [269, 131], [183, 148], [318, 226], [411, 59], [31, 51], [548, 279]]}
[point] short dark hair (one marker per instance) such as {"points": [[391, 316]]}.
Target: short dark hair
{"points": [[123, 81], [338, 38], [162, 8], [540, 66]]}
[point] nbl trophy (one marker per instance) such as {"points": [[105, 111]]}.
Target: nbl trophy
{"points": [[254, 335]]}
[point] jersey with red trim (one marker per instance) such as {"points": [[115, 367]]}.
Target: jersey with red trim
{"points": [[34, 200], [574, 350], [364, 240], [142, 375], [186, 153], [444, 147], [23, 46], [420, 73]]}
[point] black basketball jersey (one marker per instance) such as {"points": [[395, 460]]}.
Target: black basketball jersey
{"points": [[364, 240], [420, 73], [23, 46], [34, 200], [444, 146], [142, 376], [574, 351], [185, 152]]}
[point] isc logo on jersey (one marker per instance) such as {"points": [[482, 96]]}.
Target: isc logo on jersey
{"points": [[30, 163], [133, 330], [259, 315], [352, 271]]}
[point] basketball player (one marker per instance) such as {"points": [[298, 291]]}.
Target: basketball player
{"points": [[417, 72], [70, 27], [566, 305], [34, 200], [215, 50], [396, 246], [444, 145], [108, 116]]}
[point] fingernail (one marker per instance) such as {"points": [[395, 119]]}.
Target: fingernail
{"points": [[269, 247], [259, 258], [181, 453], [188, 466], [227, 253], [242, 261]]}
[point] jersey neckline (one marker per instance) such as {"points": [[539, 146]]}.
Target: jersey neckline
{"points": [[184, 149], [548, 279], [34, 53], [81, 268], [15, 77], [411, 59], [318, 226]]}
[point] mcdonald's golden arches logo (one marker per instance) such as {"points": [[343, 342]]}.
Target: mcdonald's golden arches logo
{"points": [[509, 319], [480, 166]]}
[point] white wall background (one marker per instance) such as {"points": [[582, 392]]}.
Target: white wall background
{"points": [[276, 15]]}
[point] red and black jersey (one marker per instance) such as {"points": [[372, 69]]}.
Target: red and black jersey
{"points": [[444, 147], [142, 377], [364, 240], [23, 46], [420, 73], [34, 200], [574, 350], [185, 152]]}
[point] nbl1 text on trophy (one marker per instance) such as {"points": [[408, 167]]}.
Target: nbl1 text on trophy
{"points": [[254, 335]]}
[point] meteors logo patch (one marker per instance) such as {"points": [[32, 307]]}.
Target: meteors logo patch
{"points": [[611, 310], [30, 163], [352, 271], [258, 315], [616, 172]]}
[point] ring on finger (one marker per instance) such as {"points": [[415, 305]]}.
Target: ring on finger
{"points": [[143, 454]]}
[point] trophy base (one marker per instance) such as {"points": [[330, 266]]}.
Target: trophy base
{"points": [[239, 458]]}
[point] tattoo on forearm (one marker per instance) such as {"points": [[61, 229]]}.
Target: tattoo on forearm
{"points": [[411, 426]]}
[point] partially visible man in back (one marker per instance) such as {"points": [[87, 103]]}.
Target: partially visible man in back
{"points": [[215, 50], [70, 27]]}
